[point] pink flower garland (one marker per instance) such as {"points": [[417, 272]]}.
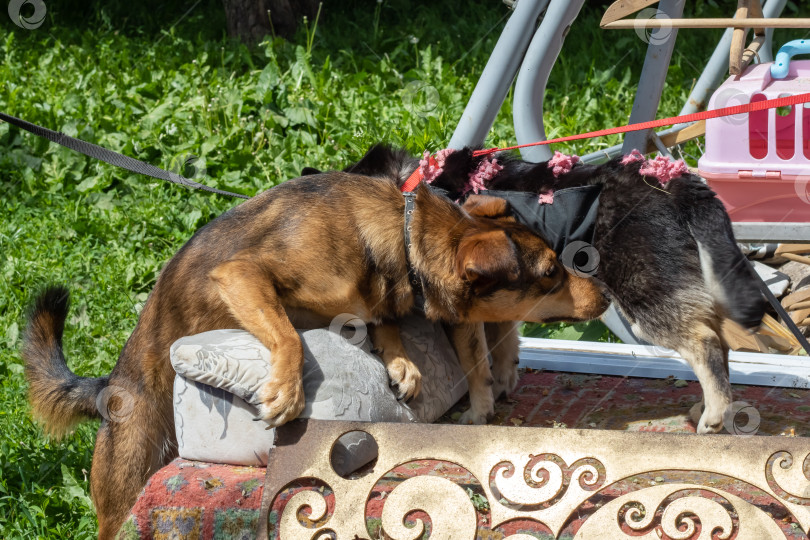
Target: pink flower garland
{"points": [[562, 163], [432, 168], [559, 164], [431, 172], [664, 169], [632, 157], [488, 168]]}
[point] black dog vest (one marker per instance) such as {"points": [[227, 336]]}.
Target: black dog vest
{"points": [[570, 218]]}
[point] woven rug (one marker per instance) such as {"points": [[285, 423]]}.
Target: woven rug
{"points": [[552, 399], [192, 500], [186, 500]]}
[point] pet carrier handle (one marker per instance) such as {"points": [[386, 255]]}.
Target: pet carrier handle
{"points": [[780, 66]]}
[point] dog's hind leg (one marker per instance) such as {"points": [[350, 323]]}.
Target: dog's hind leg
{"points": [[252, 300], [135, 440], [503, 342], [470, 343], [401, 370]]}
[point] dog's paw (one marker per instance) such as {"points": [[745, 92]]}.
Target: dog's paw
{"points": [[281, 401], [706, 420], [474, 417], [709, 425], [696, 412], [482, 406], [406, 377], [505, 382]]}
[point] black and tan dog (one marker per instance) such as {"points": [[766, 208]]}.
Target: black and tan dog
{"points": [[667, 257], [296, 256]]}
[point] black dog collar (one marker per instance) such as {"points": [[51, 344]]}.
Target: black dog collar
{"points": [[415, 280]]}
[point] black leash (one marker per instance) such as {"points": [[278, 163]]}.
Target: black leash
{"points": [[781, 311], [113, 158]]}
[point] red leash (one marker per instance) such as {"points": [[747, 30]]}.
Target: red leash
{"points": [[417, 176], [412, 181], [705, 115]]}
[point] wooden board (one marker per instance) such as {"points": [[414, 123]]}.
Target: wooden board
{"points": [[755, 11], [802, 295], [771, 326], [752, 51], [799, 315], [793, 248], [698, 129], [631, 24], [735, 53], [797, 258], [739, 339], [623, 8]]}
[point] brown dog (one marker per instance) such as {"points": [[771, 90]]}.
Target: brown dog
{"points": [[296, 256]]}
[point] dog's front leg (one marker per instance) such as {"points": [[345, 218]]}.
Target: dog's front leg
{"points": [[470, 343], [503, 341], [403, 373], [252, 300]]}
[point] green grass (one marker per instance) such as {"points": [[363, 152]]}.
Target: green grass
{"points": [[142, 80]]}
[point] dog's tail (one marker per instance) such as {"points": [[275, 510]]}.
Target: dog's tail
{"points": [[726, 271], [59, 398]]}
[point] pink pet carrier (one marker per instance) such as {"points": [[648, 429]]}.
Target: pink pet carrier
{"points": [[759, 163]]}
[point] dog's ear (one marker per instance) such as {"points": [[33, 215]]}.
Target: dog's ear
{"points": [[487, 258], [306, 171], [377, 161], [487, 206]]}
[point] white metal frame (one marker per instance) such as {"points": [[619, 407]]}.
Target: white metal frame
{"points": [[657, 363]]}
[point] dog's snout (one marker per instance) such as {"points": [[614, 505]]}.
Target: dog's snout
{"points": [[590, 299], [605, 300]]}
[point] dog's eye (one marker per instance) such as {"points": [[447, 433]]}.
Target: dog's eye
{"points": [[551, 272]]}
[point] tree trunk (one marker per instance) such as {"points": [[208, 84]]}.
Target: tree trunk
{"points": [[250, 20]]}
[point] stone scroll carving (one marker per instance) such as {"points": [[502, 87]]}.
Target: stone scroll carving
{"points": [[585, 484]]}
